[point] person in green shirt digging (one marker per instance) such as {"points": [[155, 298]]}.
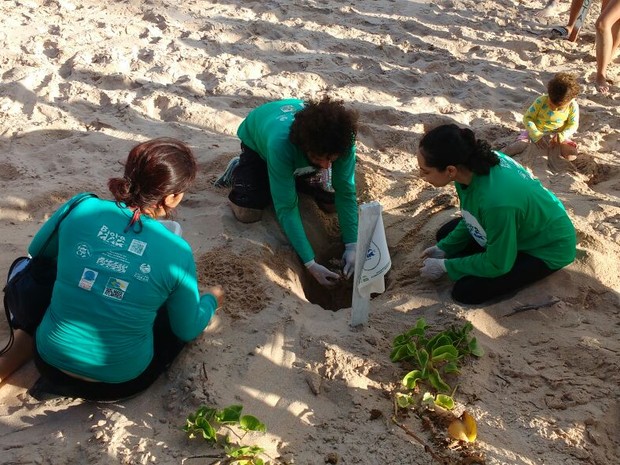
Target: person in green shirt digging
{"points": [[512, 231], [290, 146]]}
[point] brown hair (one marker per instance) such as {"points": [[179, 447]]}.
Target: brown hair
{"points": [[324, 128], [562, 88], [154, 170]]}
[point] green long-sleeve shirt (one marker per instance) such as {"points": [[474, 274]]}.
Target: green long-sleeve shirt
{"points": [[109, 286], [508, 211], [266, 131]]}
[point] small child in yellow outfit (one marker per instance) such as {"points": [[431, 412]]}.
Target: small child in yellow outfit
{"points": [[552, 119]]}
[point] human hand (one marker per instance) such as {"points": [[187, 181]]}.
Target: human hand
{"points": [[218, 293], [554, 140], [322, 275], [348, 259], [542, 143], [433, 268], [434, 252]]}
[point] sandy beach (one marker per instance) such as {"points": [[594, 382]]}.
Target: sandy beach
{"points": [[83, 82]]}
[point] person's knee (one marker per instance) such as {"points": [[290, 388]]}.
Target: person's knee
{"points": [[602, 24], [464, 295], [246, 215]]}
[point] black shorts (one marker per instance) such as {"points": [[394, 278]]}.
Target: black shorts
{"points": [[250, 187]]}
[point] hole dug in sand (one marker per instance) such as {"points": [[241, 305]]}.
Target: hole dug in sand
{"points": [[324, 234], [334, 298]]}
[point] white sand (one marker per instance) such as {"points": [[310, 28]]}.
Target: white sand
{"points": [[83, 82]]}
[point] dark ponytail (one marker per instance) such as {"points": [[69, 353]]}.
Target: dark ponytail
{"points": [[154, 170], [450, 145]]}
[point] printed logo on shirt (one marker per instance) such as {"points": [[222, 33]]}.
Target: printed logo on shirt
{"points": [[511, 164], [83, 250], [475, 228], [88, 279], [115, 288], [112, 265], [110, 237], [287, 108], [137, 247], [145, 269]]}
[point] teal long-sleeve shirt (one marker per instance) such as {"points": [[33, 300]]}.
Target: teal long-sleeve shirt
{"points": [[506, 212], [109, 287], [266, 131]]}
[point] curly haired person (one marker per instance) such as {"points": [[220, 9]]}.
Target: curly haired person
{"points": [[286, 146], [552, 119]]}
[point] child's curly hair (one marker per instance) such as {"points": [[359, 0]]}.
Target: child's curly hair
{"points": [[324, 127], [562, 88]]}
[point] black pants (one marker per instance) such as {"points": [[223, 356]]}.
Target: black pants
{"points": [[250, 187], [167, 347], [476, 290]]}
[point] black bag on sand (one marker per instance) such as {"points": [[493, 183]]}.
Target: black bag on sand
{"points": [[28, 293]]}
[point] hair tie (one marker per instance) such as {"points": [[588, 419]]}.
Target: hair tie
{"points": [[135, 220]]}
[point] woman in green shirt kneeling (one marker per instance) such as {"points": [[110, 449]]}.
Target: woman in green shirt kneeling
{"points": [[512, 231]]}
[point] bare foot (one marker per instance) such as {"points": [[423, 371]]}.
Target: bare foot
{"points": [[569, 157], [515, 148], [602, 84]]}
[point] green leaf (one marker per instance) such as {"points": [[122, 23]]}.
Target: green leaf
{"points": [[439, 340], [400, 340], [446, 352], [404, 400], [403, 352], [411, 378], [251, 423], [243, 450], [202, 412], [474, 348], [436, 381], [230, 414], [445, 401], [428, 398], [423, 359], [205, 430], [451, 367], [415, 332]]}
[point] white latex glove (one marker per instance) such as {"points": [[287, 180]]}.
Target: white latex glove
{"points": [[322, 275], [433, 268], [434, 252], [348, 259]]}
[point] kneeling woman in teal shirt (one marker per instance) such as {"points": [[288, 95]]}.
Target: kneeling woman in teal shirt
{"points": [[512, 231], [126, 295]]}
